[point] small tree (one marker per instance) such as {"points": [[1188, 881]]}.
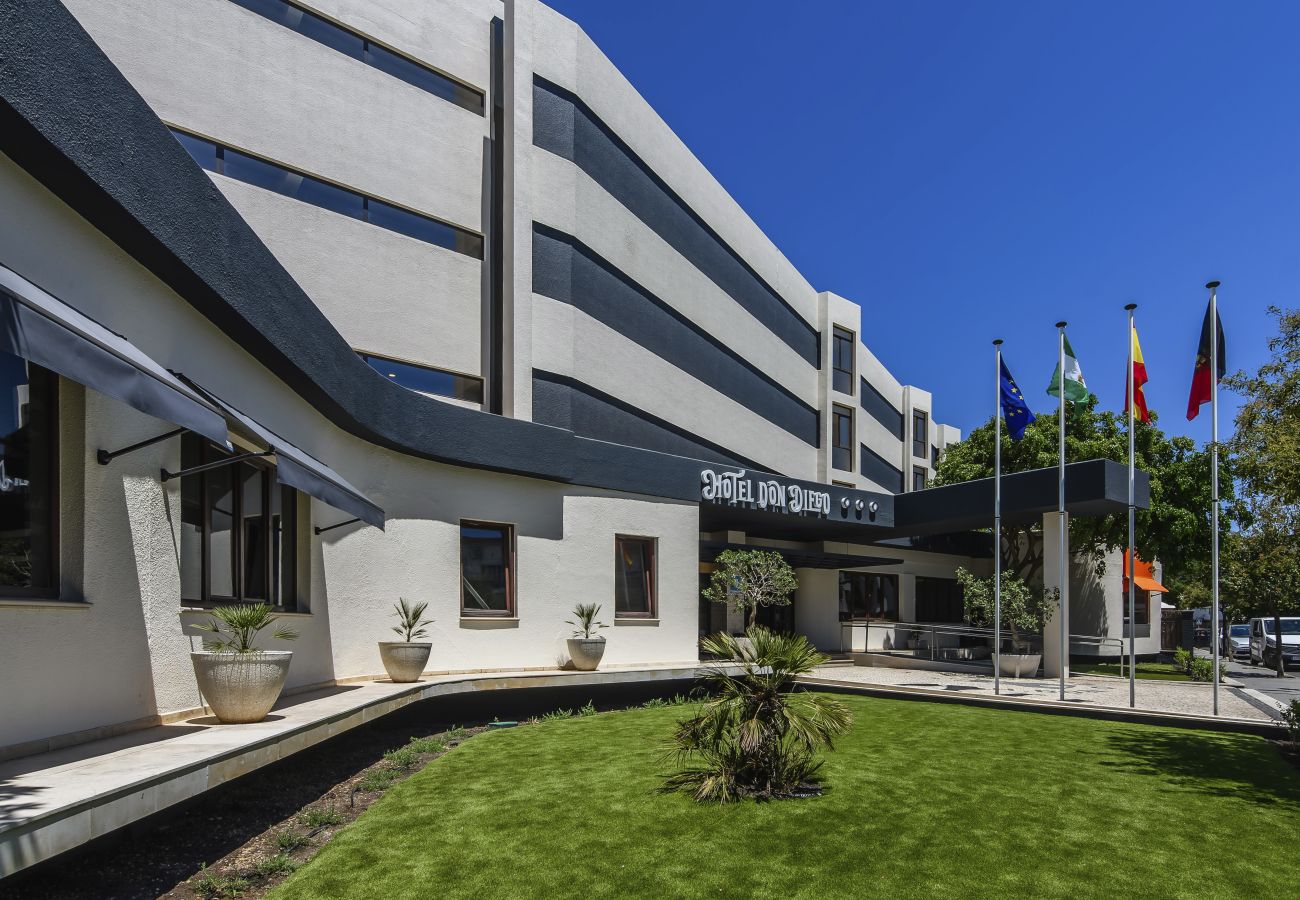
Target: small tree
{"points": [[411, 617], [748, 579], [755, 735], [1024, 610]]}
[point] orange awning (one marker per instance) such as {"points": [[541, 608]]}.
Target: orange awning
{"points": [[1144, 576]]}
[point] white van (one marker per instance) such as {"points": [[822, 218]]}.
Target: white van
{"points": [[1263, 642]]}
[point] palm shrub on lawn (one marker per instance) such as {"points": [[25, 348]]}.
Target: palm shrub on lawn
{"points": [[755, 736]]}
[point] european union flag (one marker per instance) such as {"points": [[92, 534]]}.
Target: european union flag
{"points": [[1015, 410]]}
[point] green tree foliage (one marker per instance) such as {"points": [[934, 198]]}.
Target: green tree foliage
{"points": [[748, 579], [756, 736], [1025, 611], [1175, 530], [1261, 562]]}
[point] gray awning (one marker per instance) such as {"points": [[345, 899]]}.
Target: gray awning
{"points": [[44, 330], [301, 470]]}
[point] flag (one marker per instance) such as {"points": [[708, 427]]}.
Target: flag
{"points": [[1014, 408], [1201, 385], [1075, 390], [1139, 376]]}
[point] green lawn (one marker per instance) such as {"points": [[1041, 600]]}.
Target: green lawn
{"points": [[924, 800], [1156, 671]]}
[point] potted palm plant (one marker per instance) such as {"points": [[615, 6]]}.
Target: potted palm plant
{"points": [[586, 647], [404, 660], [239, 681], [1024, 613]]}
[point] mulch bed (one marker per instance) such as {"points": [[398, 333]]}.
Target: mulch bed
{"points": [[244, 838]]}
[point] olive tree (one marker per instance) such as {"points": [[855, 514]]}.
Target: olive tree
{"points": [[748, 579], [1025, 611]]}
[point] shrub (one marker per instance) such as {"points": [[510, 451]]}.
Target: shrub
{"points": [[320, 818], [455, 734], [426, 745], [557, 714], [289, 840], [403, 758], [377, 780], [280, 864], [1183, 660], [237, 626], [586, 625], [754, 736], [655, 703], [1203, 670], [1291, 720], [588, 710], [209, 885]]}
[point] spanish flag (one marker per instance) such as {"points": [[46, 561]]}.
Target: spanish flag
{"points": [[1139, 376]]}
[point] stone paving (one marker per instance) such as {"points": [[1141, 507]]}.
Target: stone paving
{"points": [[1188, 698]]}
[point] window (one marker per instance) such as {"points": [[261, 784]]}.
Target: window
{"points": [[918, 478], [934, 457], [487, 569], [427, 380], [866, 595], [349, 43], [239, 531], [842, 438], [344, 201], [939, 600], [634, 578], [842, 359], [28, 479], [920, 438]]}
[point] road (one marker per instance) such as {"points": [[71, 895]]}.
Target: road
{"points": [[1266, 681]]}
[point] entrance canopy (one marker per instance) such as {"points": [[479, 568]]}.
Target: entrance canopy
{"points": [[1094, 487]]}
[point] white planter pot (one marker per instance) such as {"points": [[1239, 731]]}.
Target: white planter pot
{"points": [[1020, 665], [241, 687], [404, 662], [586, 652]]}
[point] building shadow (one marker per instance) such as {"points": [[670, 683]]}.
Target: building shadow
{"points": [[1222, 765]]}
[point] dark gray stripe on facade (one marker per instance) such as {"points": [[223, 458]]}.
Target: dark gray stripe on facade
{"points": [[567, 127], [881, 409], [879, 470], [566, 403], [567, 270]]}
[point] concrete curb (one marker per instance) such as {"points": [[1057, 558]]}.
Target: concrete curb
{"points": [[1080, 710]]}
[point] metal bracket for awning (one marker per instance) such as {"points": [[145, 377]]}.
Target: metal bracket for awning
{"points": [[194, 470], [104, 457], [319, 530]]}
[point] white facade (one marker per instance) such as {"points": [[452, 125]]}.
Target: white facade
{"points": [[632, 303]]}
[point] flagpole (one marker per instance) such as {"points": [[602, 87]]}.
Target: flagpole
{"points": [[1214, 484], [1132, 603], [997, 521], [1064, 608]]}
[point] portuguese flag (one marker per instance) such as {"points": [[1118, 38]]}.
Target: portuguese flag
{"points": [[1202, 386], [1139, 376], [1075, 390]]}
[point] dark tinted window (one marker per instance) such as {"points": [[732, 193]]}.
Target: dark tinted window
{"points": [[290, 183], [866, 595], [918, 478], [28, 479], [426, 380], [349, 43], [842, 438], [842, 360], [939, 600], [920, 434], [634, 577], [486, 569]]}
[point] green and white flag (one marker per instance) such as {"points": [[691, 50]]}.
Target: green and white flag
{"points": [[1075, 390]]}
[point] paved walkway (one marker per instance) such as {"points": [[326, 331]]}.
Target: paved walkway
{"points": [[1178, 697], [51, 802]]}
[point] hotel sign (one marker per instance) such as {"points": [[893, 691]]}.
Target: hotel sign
{"points": [[737, 488]]}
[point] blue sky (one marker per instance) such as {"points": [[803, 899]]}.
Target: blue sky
{"points": [[967, 171]]}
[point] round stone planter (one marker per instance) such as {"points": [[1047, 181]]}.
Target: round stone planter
{"points": [[404, 662], [586, 652], [1020, 665], [241, 687]]}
